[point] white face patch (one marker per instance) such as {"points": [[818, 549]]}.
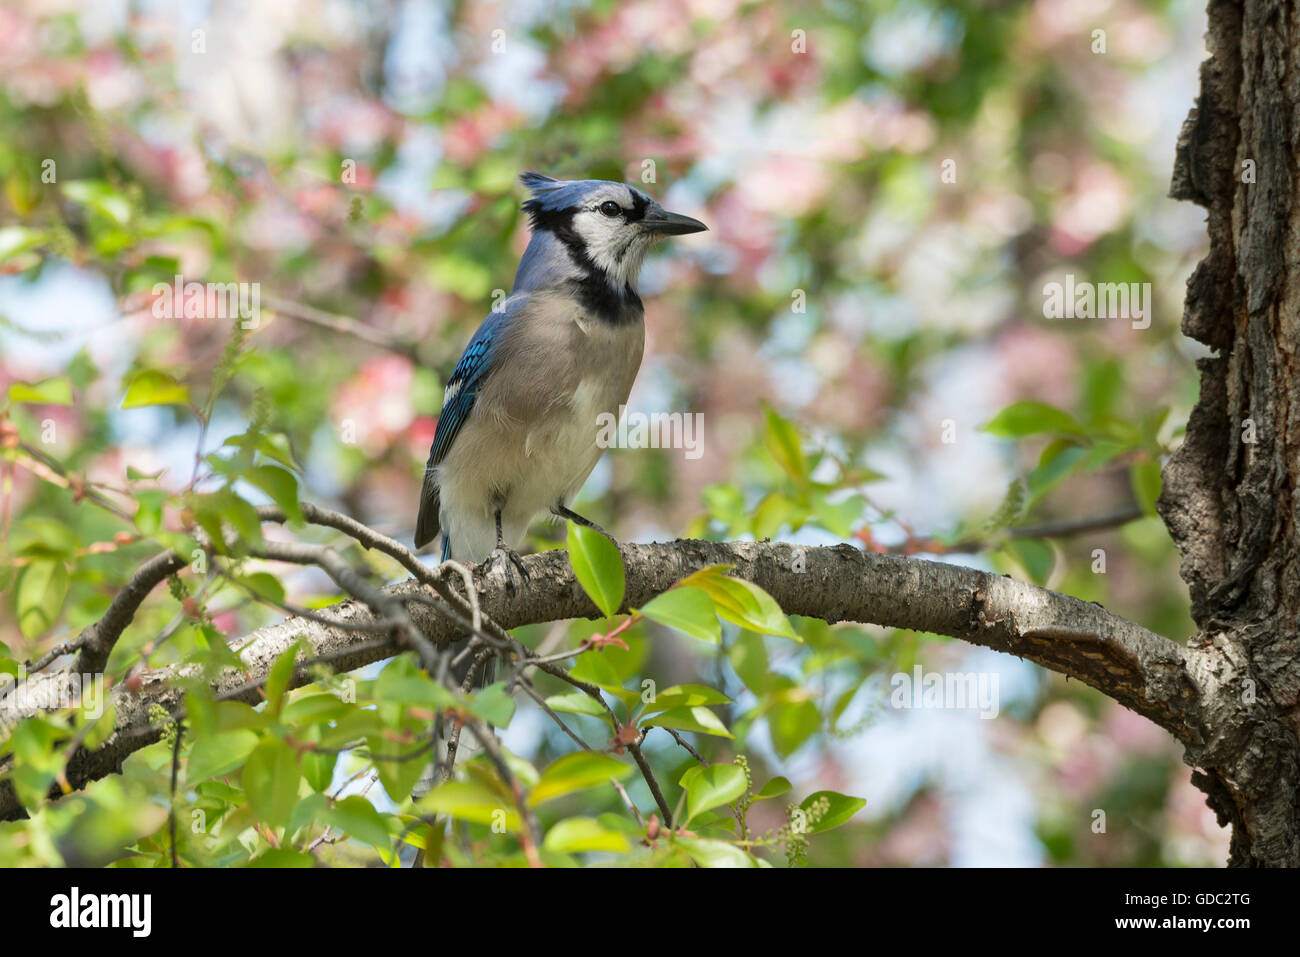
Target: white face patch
{"points": [[616, 246]]}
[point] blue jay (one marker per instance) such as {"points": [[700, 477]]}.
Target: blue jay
{"points": [[517, 434], [520, 414]]}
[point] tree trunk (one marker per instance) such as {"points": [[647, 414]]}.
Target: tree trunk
{"points": [[1230, 492]]}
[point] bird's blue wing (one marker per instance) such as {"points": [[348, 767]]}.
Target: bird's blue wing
{"points": [[475, 365], [463, 387]]}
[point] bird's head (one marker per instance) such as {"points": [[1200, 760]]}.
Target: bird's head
{"points": [[607, 227]]}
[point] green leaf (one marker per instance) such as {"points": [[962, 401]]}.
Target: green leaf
{"points": [[101, 728], [43, 536], [1059, 461], [37, 762], [1034, 555], [42, 588], [1146, 484], [271, 781], [310, 810], [782, 441], [1102, 381], [152, 387], [792, 723], [742, 603], [281, 857], [214, 755], [698, 719], [710, 853], [685, 696], [837, 517], [774, 511], [18, 239], [318, 768], [402, 682], [597, 670], [598, 567], [314, 708], [1013, 507], [357, 817], [471, 801], [398, 772], [576, 834], [55, 391], [841, 808], [748, 656], [214, 510], [101, 197], [280, 484], [575, 702], [493, 705], [357, 723], [149, 510], [276, 445], [707, 788], [689, 610], [1030, 418], [576, 772], [264, 584], [725, 503], [773, 788], [278, 678]]}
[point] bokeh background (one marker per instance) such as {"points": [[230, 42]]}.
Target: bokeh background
{"points": [[359, 162]]}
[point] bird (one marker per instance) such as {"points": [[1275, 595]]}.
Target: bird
{"points": [[522, 409], [517, 435]]}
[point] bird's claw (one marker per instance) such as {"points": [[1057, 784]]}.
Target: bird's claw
{"points": [[512, 564]]}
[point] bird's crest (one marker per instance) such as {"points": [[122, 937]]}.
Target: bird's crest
{"points": [[549, 194], [552, 195]]}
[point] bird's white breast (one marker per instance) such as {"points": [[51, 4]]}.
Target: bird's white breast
{"points": [[537, 446]]}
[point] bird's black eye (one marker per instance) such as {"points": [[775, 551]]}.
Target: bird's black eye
{"points": [[610, 208]]}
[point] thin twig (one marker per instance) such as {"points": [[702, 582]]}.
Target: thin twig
{"points": [[334, 322], [171, 807], [652, 783], [627, 800], [532, 693], [685, 744]]}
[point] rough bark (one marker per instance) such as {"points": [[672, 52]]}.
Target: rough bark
{"points": [[1229, 495]]}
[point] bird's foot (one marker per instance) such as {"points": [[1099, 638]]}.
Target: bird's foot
{"points": [[564, 512], [512, 565]]}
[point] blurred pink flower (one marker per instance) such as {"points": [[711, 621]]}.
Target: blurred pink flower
{"points": [[420, 435], [785, 184], [466, 138], [1097, 205], [1132, 732], [375, 404], [1036, 363]]}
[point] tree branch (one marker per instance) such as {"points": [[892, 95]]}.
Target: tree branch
{"points": [[1142, 670], [334, 322], [97, 641]]}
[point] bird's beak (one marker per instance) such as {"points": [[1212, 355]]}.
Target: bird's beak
{"points": [[670, 224]]}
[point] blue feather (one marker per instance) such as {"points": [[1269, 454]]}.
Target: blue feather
{"points": [[476, 363], [474, 367]]}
